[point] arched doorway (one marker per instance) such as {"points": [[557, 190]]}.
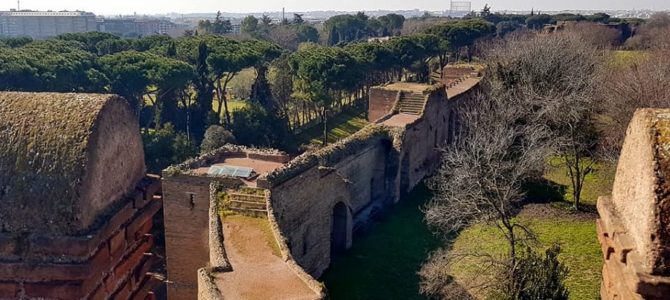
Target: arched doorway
{"points": [[404, 175], [338, 236]]}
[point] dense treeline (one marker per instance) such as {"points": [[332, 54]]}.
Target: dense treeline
{"points": [[181, 85]]}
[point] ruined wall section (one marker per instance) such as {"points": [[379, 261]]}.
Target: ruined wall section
{"points": [[60, 153], [306, 219], [367, 172], [633, 226], [186, 211], [382, 102]]}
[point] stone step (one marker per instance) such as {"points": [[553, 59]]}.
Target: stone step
{"points": [[415, 108], [247, 205], [246, 198], [255, 213], [410, 112], [411, 104]]}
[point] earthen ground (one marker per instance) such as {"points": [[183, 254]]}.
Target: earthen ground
{"points": [[462, 87], [258, 273], [401, 120]]}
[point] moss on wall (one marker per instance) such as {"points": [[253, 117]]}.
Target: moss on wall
{"points": [[45, 145]]}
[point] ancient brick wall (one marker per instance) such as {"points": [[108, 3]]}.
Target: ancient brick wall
{"points": [[186, 211], [305, 215], [633, 228], [316, 200], [366, 180], [110, 262], [381, 102]]}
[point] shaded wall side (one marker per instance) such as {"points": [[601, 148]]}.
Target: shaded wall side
{"points": [[424, 138], [303, 208], [115, 160], [186, 202], [381, 102], [364, 173], [633, 192]]}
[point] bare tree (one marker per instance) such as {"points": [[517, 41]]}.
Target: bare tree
{"points": [[653, 35], [482, 175], [598, 35], [645, 83], [555, 75]]}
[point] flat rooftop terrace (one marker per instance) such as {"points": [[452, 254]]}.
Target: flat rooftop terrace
{"points": [[259, 166], [406, 86], [401, 120]]}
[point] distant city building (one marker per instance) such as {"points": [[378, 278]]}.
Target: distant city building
{"points": [[45, 24], [136, 27], [460, 8]]}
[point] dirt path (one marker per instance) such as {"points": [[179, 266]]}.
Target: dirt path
{"points": [[258, 273]]}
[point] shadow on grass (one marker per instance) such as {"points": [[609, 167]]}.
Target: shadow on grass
{"points": [[545, 191], [383, 263]]}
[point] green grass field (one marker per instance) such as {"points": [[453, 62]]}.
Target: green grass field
{"points": [[554, 223], [384, 263], [598, 183], [233, 105], [622, 59], [577, 237], [341, 126]]}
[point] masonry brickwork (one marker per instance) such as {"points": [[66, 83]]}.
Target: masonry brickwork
{"points": [[318, 201], [634, 224], [100, 248]]}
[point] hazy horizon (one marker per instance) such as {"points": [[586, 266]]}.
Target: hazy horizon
{"points": [[259, 6]]}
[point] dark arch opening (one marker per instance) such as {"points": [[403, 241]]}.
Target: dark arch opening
{"points": [[338, 237], [404, 175]]}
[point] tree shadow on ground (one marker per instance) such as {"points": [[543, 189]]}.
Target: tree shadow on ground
{"points": [[543, 191]]}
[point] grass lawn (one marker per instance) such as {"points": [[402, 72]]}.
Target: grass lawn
{"points": [[577, 237], [622, 59], [383, 264], [553, 222], [598, 183], [233, 105], [341, 126]]}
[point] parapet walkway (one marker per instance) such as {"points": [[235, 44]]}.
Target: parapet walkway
{"points": [[258, 270]]}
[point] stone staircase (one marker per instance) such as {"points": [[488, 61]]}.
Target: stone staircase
{"points": [[247, 205], [411, 103]]}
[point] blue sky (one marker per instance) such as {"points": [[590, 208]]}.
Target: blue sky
{"points": [[187, 6]]}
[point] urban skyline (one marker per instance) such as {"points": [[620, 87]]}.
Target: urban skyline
{"points": [[256, 6]]}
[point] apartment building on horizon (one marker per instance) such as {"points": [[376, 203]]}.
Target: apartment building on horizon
{"points": [[45, 24]]}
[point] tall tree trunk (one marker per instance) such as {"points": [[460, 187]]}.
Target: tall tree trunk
{"points": [[325, 126]]}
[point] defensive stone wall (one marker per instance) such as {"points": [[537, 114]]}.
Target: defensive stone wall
{"points": [[316, 202], [634, 224], [321, 199]]}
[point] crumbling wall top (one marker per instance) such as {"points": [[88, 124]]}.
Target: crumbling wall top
{"points": [[60, 159], [641, 192]]}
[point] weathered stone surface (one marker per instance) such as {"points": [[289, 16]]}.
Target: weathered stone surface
{"points": [[59, 159], [634, 224]]}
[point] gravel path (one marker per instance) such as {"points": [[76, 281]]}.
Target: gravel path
{"points": [[257, 272]]}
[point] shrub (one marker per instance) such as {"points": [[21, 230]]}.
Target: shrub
{"points": [[254, 126], [215, 137], [535, 277], [165, 146]]}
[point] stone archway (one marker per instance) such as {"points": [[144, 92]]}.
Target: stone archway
{"points": [[404, 175], [338, 235]]}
